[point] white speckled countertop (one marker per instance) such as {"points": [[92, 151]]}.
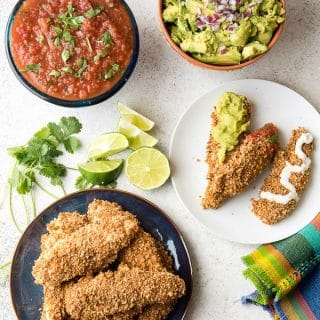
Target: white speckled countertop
{"points": [[162, 87]]}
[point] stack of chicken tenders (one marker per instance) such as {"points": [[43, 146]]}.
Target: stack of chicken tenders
{"points": [[102, 265]]}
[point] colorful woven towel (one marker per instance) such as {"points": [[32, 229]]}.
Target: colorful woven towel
{"points": [[286, 275]]}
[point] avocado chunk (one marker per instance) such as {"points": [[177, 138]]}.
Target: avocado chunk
{"points": [[170, 14], [233, 118], [253, 49], [240, 37], [231, 57]]}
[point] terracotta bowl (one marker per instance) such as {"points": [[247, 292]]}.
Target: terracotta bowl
{"points": [[198, 63]]}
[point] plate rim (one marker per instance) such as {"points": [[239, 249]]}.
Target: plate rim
{"points": [[123, 192], [232, 82]]}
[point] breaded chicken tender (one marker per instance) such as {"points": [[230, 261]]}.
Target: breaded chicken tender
{"points": [[66, 223], [241, 166], [148, 254], [117, 292], [276, 200], [88, 249]]}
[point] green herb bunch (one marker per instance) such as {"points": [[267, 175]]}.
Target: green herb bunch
{"points": [[39, 157]]}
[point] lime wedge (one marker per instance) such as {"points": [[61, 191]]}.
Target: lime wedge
{"points": [[135, 118], [137, 138], [107, 145], [147, 168], [101, 172]]}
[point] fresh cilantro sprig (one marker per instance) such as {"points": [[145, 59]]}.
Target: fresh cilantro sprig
{"points": [[82, 183], [39, 157]]}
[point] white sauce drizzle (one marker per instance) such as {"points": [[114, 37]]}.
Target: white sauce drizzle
{"points": [[305, 138]]}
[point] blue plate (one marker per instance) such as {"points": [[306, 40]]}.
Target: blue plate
{"points": [[27, 297]]}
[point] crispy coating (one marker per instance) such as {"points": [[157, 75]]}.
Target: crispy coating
{"points": [[53, 304], [271, 212], [148, 253], [89, 249], [65, 223], [159, 311], [241, 166], [112, 293]]}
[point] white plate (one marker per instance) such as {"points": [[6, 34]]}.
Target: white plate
{"points": [[234, 220]]}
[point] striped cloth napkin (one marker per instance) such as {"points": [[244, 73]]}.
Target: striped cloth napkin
{"points": [[286, 275]]}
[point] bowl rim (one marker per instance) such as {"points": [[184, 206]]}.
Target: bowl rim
{"points": [[204, 65], [73, 103], [123, 192]]}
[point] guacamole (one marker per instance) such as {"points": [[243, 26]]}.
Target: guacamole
{"points": [[233, 118], [223, 32]]}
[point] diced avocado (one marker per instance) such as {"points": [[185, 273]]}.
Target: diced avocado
{"points": [[265, 37], [176, 35], [171, 2], [265, 23], [241, 35], [193, 5], [201, 27], [253, 49], [267, 5], [191, 45], [232, 114], [231, 57], [170, 14]]}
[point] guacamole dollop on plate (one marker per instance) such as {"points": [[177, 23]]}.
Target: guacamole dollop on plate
{"points": [[223, 32]]}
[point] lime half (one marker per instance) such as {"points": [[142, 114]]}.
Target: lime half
{"points": [[147, 168], [135, 118], [101, 172], [137, 138], [107, 145]]}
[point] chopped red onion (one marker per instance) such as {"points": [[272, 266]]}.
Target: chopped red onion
{"points": [[247, 13], [223, 50]]}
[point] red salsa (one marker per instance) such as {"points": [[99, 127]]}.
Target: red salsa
{"points": [[72, 49]]}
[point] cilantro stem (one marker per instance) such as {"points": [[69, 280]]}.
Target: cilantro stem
{"points": [[25, 208], [5, 273], [5, 188], [6, 264], [11, 211], [70, 168], [46, 191], [63, 189], [33, 204]]}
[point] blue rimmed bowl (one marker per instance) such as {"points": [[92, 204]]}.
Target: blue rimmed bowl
{"points": [[73, 103], [27, 297]]}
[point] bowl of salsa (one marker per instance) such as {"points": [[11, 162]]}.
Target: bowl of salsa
{"points": [[72, 53]]}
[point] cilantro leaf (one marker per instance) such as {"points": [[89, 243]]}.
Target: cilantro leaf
{"points": [[56, 131], [106, 38], [112, 71], [82, 183], [66, 55], [83, 64], [72, 144], [54, 73], [67, 69], [70, 125], [274, 139], [32, 67], [93, 12]]}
